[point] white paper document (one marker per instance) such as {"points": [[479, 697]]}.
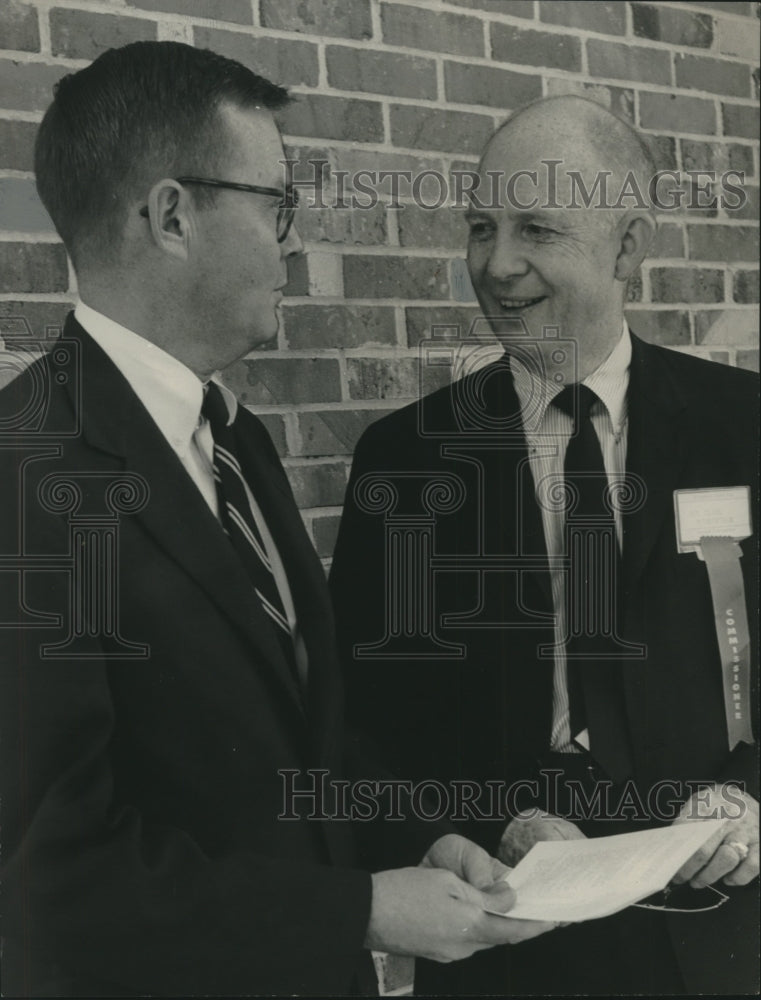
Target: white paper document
{"points": [[574, 880]]}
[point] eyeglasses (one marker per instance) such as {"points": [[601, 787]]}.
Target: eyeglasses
{"points": [[684, 899], [286, 209]]}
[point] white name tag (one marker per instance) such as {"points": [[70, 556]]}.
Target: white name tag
{"points": [[720, 513]]}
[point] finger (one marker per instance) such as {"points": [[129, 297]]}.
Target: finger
{"points": [[700, 858], [724, 861], [746, 871], [499, 871], [499, 897], [507, 930], [477, 866]]}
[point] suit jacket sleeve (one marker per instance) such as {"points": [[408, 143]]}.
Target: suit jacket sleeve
{"points": [[142, 906], [98, 897]]}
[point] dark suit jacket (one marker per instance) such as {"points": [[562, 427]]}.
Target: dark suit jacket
{"points": [[487, 715], [142, 850]]}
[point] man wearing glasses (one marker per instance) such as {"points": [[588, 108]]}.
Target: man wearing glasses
{"points": [[168, 645]]}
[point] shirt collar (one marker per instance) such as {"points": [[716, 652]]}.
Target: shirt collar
{"points": [[610, 382], [171, 393]]}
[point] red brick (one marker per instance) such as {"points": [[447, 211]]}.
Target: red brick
{"points": [[19, 27], [333, 118], [28, 86], [686, 284], [429, 128], [660, 326], [281, 60], [298, 276], [606, 18], [17, 145], [748, 360], [489, 85], [726, 7], [421, 321], [356, 158], [620, 100], [663, 149], [716, 156], [21, 210], [713, 75], [236, 11], [724, 243], [395, 277], [628, 62], [80, 34], [259, 381], [740, 119], [359, 226], [514, 8], [336, 18], [325, 533], [670, 113], [534, 48], [333, 432], [669, 241], [679, 27], [745, 286], [318, 484], [314, 178], [33, 267], [393, 378], [434, 227], [275, 425], [750, 209], [727, 327], [44, 319], [720, 357], [434, 31], [381, 72], [316, 326], [634, 287]]}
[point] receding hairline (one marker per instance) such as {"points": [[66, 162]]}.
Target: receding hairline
{"points": [[615, 140]]}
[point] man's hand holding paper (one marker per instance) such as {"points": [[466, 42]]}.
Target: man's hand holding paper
{"points": [[731, 854], [530, 827]]}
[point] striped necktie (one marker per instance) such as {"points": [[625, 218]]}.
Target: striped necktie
{"points": [[237, 518]]}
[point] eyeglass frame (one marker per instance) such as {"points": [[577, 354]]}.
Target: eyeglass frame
{"points": [[286, 210]]}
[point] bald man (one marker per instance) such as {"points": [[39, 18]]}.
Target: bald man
{"points": [[549, 697]]}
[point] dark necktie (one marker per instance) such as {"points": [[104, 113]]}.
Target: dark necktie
{"points": [[594, 679], [238, 520]]}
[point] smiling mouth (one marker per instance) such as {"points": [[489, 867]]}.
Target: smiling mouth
{"points": [[517, 305]]}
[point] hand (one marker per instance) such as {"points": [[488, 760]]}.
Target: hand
{"points": [[468, 861], [528, 828], [431, 913], [722, 857]]}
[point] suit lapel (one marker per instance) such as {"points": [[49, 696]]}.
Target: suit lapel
{"points": [[176, 515], [655, 454]]}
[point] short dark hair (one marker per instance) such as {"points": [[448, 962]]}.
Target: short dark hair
{"points": [[134, 115]]}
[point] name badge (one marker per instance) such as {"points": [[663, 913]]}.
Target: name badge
{"points": [[711, 523], [711, 513]]}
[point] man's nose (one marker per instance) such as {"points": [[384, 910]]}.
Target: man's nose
{"points": [[507, 258]]}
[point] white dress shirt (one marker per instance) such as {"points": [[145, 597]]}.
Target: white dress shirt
{"points": [[548, 431], [172, 394]]}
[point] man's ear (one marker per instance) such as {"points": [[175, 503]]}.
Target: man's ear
{"points": [[636, 232], [171, 217]]}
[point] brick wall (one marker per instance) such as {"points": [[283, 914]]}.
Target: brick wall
{"points": [[412, 85]]}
